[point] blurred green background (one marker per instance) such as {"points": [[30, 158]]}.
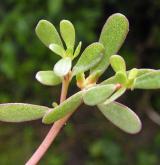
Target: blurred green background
{"points": [[88, 139]]}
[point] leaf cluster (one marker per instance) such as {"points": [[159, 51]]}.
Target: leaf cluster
{"points": [[94, 59]]}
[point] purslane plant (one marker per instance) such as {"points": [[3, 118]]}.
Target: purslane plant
{"points": [[95, 58]]}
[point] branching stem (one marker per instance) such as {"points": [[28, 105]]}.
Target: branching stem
{"points": [[55, 129]]}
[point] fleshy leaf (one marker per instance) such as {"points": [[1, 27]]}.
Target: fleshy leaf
{"points": [[62, 67], [78, 49], [121, 77], [132, 73], [89, 58], [112, 37], [48, 78], [111, 80], [19, 112], [47, 33], [68, 106], [116, 95], [118, 63], [148, 81], [98, 94], [122, 116], [143, 71], [57, 49], [68, 33]]}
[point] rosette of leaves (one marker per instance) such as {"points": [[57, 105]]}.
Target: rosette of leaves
{"points": [[95, 58]]}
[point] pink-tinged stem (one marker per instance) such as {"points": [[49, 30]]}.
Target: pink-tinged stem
{"points": [[53, 132]]}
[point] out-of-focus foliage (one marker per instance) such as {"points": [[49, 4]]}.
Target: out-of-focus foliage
{"points": [[88, 139]]}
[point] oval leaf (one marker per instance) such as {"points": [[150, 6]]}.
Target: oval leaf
{"points": [[112, 37], [68, 33], [116, 95], [48, 78], [121, 77], [19, 112], [68, 106], [57, 49], [148, 81], [118, 63], [122, 116], [47, 33], [111, 80], [63, 66], [98, 94], [141, 72], [89, 58]]}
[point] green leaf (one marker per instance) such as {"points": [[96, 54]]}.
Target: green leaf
{"points": [[132, 73], [89, 58], [121, 77], [112, 37], [47, 33], [68, 33], [62, 67], [143, 71], [57, 49], [19, 112], [48, 78], [116, 95], [78, 49], [118, 63], [148, 81], [111, 80], [68, 106], [122, 116], [98, 94]]}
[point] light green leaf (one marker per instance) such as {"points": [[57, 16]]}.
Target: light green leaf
{"points": [[78, 49], [111, 80], [116, 95], [68, 106], [118, 63], [143, 71], [132, 73], [19, 112], [68, 33], [89, 58], [121, 77], [48, 78], [148, 81], [112, 37], [57, 49], [47, 33], [98, 94], [122, 116], [62, 67]]}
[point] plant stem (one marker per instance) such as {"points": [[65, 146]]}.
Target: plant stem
{"points": [[55, 129]]}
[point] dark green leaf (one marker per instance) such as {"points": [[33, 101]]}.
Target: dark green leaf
{"points": [[122, 116], [19, 112]]}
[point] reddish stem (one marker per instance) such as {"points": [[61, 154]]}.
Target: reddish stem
{"points": [[53, 132]]}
